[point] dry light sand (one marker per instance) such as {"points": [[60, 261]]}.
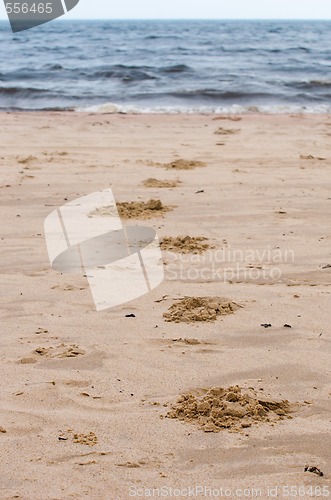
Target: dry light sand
{"points": [[88, 400]]}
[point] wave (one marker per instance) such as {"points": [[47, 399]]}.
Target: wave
{"points": [[175, 68], [21, 91], [124, 73], [310, 84], [44, 73], [53, 67], [233, 109], [161, 37], [218, 95]]}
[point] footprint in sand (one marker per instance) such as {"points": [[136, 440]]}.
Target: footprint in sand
{"points": [[65, 356], [181, 342], [192, 345], [230, 118], [67, 288], [311, 157], [184, 164], [144, 462], [87, 439], [60, 351], [179, 164], [27, 159]]}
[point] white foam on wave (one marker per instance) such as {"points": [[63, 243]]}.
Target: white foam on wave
{"points": [[112, 108]]}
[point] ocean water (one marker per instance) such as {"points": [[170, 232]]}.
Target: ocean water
{"points": [[168, 66]]}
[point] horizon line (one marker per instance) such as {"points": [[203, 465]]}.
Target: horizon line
{"points": [[65, 18]]}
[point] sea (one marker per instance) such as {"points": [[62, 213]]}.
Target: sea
{"points": [[168, 66]]}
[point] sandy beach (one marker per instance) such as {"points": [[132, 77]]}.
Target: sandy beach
{"points": [[87, 396]]}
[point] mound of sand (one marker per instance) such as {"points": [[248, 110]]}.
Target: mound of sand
{"points": [[155, 183], [227, 131], [192, 309], [185, 244], [27, 159], [132, 210], [232, 408], [184, 164], [141, 209]]}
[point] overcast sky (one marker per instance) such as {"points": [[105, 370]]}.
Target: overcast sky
{"points": [[198, 9]]}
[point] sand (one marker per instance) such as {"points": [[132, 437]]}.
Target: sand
{"points": [[85, 395]]}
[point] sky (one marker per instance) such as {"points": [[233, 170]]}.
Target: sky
{"points": [[197, 9]]}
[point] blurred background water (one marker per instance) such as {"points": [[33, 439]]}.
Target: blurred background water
{"points": [[173, 66]]}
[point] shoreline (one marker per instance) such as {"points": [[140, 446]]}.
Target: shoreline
{"points": [[117, 109]]}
